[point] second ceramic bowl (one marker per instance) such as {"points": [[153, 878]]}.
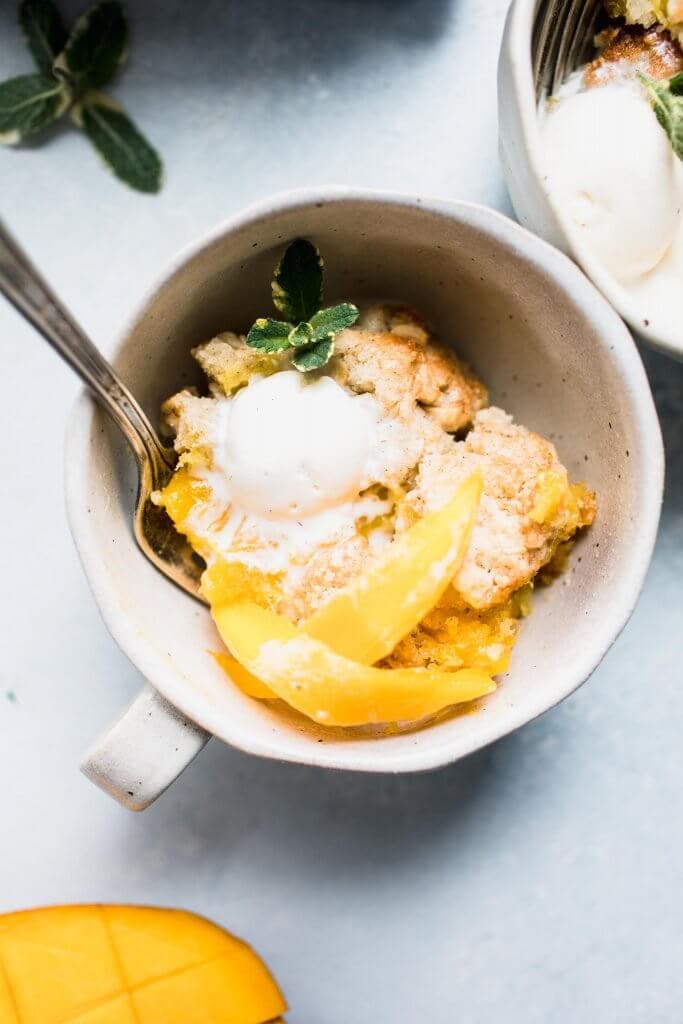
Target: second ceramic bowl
{"points": [[523, 162], [553, 353]]}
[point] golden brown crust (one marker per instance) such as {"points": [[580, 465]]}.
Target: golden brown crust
{"points": [[512, 539], [404, 369], [229, 363], [651, 51]]}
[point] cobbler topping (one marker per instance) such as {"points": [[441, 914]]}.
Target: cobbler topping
{"points": [[305, 479]]}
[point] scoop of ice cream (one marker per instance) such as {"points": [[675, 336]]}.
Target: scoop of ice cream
{"points": [[294, 447], [612, 171]]}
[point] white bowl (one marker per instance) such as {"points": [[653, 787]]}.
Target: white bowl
{"points": [[553, 353], [523, 161]]}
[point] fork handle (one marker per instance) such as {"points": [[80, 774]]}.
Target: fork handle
{"points": [[24, 287]]}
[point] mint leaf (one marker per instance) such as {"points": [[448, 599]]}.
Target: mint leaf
{"points": [[300, 335], [667, 103], [124, 150], [96, 47], [43, 30], [269, 335], [298, 285], [332, 320], [676, 84], [314, 356], [27, 104]]}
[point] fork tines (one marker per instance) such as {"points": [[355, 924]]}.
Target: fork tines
{"points": [[563, 38]]}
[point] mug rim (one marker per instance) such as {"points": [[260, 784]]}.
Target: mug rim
{"points": [[516, 56], [628, 366]]}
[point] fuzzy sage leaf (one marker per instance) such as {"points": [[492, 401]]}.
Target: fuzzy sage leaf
{"points": [[96, 47], [298, 284], [301, 335], [123, 149], [667, 102], [27, 104], [332, 320], [43, 30], [297, 293], [313, 356], [269, 335], [72, 70]]}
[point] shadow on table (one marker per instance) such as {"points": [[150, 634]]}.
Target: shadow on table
{"points": [[330, 825], [262, 36]]}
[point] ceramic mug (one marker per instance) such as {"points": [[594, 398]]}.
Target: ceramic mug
{"points": [[553, 353]]}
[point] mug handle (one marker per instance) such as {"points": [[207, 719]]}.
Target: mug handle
{"points": [[146, 750]]}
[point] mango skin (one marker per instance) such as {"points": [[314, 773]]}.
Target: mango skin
{"points": [[129, 965], [332, 690]]}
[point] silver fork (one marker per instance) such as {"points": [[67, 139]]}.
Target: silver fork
{"points": [[562, 40], [23, 286]]}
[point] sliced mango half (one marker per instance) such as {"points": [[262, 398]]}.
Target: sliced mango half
{"points": [[331, 689], [129, 965], [368, 618]]}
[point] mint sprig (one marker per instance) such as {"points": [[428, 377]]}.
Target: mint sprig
{"points": [[96, 47], [29, 103], [43, 30], [298, 283], [667, 102], [297, 290], [121, 146], [73, 68]]}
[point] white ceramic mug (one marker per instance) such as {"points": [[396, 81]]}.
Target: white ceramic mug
{"points": [[553, 353]]}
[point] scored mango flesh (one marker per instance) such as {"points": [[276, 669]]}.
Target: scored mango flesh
{"points": [[129, 965], [330, 689]]}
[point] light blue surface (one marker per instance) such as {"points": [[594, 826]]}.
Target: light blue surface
{"points": [[539, 881]]}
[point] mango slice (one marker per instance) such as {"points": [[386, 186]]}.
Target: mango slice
{"points": [[129, 965], [181, 495], [367, 619], [247, 683], [333, 690]]}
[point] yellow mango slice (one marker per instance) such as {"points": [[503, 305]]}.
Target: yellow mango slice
{"points": [[128, 965], [247, 683], [180, 497], [223, 582], [366, 620], [330, 689]]}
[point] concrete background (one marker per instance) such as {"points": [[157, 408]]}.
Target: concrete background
{"points": [[539, 881]]}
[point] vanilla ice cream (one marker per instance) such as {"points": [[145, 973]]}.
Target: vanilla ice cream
{"points": [[612, 171], [293, 447]]}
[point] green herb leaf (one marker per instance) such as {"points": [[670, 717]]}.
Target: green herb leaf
{"points": [[667, 102], [269, 335], [676, 84], [43, 30], [96, 47], [298, 284], [124, 150], [332, 320], [314, 356], [27, 104], [300, 335]]}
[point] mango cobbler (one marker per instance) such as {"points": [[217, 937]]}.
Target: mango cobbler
{"points": [[371, 526]]}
